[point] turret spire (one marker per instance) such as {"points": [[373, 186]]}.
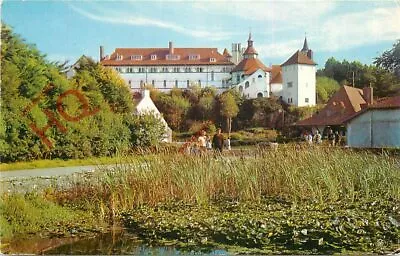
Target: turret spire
{"points": [[305, 45]]}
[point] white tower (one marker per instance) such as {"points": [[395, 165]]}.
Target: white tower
{"points": [[299, 78]]}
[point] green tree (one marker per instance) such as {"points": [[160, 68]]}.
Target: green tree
{"points": [[390, 59], [326, 87], [229, 109]]}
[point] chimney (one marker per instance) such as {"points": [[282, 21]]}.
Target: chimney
{"points": [[368, 95], [145, 93], [171, 47], [310, 54], [101, 52]]}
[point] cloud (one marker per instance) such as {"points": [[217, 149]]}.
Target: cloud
{"points": [[278, 50], [272, 10], [138, 20], [61, 58], [354, 29]]}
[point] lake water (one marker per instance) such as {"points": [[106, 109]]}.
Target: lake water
{"points": [[122, 244]]}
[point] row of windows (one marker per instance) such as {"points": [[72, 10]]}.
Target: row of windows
{"points": [[176, 82], [238, 77], [167, 70], [290, 84], [290, 100], [167, 57]]}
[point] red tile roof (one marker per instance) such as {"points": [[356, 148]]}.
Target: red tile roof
{"points": [[205, 55], [383, 103], [276, 74], [299, 58], [249, 66], [250, 50], [341, 106], [389, 102], [226, 53]]}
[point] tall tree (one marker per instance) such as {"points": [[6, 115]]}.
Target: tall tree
{"points": [[326, 87], [229, 109], [390, 59]]}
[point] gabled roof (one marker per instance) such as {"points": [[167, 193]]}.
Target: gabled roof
{"points": [[226, 53], [299, 58], [276, 74], [383, 103], [205, 55], [249, 66], [250, 50], [342, 105]]}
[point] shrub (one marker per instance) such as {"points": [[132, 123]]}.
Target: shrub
{"points": [[146, 130]]}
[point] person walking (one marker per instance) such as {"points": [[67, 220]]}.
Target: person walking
{"points": [[202, 140], [317, 137], [218, 140], [338, 138], [331, 138]]}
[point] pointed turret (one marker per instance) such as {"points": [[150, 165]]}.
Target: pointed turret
{"points": [[250, 52], [305, 46]]}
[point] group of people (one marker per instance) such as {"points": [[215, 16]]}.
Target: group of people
{"points": [[334, 138], [202, 142]]}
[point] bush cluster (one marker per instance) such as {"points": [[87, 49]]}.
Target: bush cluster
{"points": [[44, 115]]}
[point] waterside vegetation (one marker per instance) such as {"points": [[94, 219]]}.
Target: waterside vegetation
{"points": [[313, 200]]}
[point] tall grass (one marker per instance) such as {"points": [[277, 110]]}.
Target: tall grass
{"points": [[314, 174]]}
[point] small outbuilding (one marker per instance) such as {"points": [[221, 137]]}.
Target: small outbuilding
{"points": [[144, 105], [345, 103], [376, 125]]}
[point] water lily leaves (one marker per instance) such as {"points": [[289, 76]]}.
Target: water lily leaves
{"points": [[313, 228]]}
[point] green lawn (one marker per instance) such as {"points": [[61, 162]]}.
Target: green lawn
{"points": [[57, 163]]}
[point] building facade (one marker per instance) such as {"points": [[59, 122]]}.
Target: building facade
{"points": [[167, 68], [250, 76], [376, 126]]}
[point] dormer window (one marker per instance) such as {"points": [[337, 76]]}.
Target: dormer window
{"points": [[173, 57], [194, 56], [153, 57], [119, 57], [213, 60], [136, 57]]}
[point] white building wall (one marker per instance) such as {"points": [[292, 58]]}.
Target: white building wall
{"points": [[216, 76], [277, 89], [375, 128], [306, 85], [258, 82], [290, 75], [302, 79], [146, 106]]}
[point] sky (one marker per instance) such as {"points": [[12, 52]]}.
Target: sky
{"points": [[351, 30]]}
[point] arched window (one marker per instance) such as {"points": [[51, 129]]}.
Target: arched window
{"points": [[260, 95], [259, 76], [240, 88], [247, 85]]}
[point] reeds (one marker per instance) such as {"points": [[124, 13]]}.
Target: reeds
{"points": [[309, 174]]}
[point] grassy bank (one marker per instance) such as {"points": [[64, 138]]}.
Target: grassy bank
{"points": [[302, 184], [47, 163], [323, 175]]}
